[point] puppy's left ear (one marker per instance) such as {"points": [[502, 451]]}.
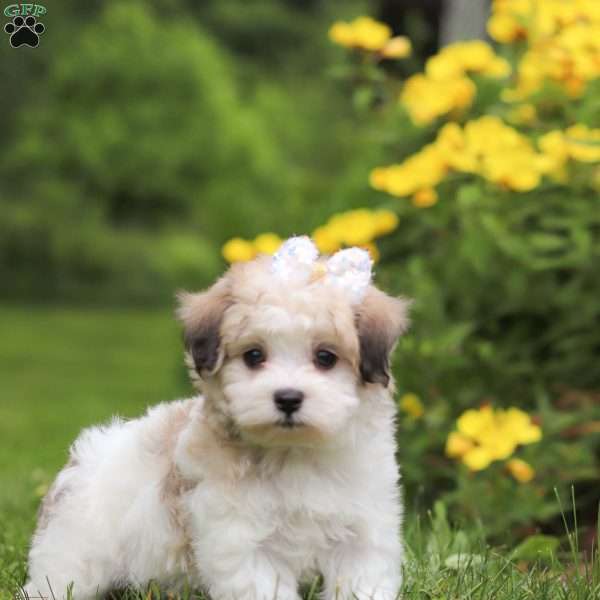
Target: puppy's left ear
{"points": [[201, 315], [380, 320]]}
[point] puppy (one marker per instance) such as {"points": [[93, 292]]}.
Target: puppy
{"points": [[284, 467]]}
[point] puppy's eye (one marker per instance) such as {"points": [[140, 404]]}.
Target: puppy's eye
{"points": [[254, 358], [325, 359]]}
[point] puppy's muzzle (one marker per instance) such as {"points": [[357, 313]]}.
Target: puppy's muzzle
{"points": [[288, 400]]}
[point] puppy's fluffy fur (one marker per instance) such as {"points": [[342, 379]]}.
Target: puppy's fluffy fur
{"points": [[221, 490]]}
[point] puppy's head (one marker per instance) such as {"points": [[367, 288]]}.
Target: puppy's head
{"points": [[286, 362]]}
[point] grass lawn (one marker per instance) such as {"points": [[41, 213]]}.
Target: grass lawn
{"points": [[63, 369]]}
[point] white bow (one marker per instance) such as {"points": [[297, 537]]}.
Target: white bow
{"points": [[349, 269]]}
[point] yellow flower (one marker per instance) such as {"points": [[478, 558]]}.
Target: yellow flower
{"points": [[425, 197], [341, 33], [378, 178], [583, 143], [497, 443], [520, 470], [498, 67], [557, 147], [358, 227], [486, 435], [238, 250], [504, 28], [454, 150], [462, 91], [477, 459], [554, 152], [444, 87], [385, 221], [426, 98], [397, 47], [326, 242], [457, 445], [519, 424], [472, 422], [455, 60], [354, 227], [411, 404], [370, 34], [267, 243], [424, 169], [364, 32], [517, 171]]}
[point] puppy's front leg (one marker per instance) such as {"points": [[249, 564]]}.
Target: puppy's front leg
{"points": [[233, 564], [251, 578], [364, 573]]}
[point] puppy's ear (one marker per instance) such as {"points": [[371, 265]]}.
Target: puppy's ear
{"points": [[201, 315], [380, 320]]}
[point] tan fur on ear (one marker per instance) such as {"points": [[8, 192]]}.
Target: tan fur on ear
{"points": [[380, 320], [201, 315]]}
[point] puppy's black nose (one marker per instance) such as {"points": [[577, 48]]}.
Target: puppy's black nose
{"points": [[288, 400]]}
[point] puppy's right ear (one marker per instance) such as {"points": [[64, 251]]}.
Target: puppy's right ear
{"points": [[201, 315]]}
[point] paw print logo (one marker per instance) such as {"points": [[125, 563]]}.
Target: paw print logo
{"points": [[24, 31]]}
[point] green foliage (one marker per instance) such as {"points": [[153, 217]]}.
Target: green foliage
{"points": [[146, 122], [132, 154]]}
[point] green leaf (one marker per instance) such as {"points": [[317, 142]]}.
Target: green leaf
{"points": [[547, 241], [469, 195], [536, 547]]}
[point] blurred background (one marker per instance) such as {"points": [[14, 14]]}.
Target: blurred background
{"points": [[144, 143]]}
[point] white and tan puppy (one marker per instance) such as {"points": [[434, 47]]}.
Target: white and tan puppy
{"points": [[282, 469]]}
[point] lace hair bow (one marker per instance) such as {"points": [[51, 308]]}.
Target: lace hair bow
{"points": [[350, 269]]}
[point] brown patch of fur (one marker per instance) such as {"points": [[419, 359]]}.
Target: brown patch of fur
{"points": [[380, 320], [174, 485]]}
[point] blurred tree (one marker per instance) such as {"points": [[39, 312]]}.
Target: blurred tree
{"points": [[143, 118]]}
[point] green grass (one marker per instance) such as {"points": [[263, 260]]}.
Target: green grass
{"points": [[61, 370]]}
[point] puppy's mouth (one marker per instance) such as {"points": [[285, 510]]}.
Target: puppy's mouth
{"points": [[290, 423]]}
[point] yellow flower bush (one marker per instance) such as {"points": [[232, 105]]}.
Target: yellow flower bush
{"points": [[486, 435], [359, 227], [563, 42], [444, 87]]}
